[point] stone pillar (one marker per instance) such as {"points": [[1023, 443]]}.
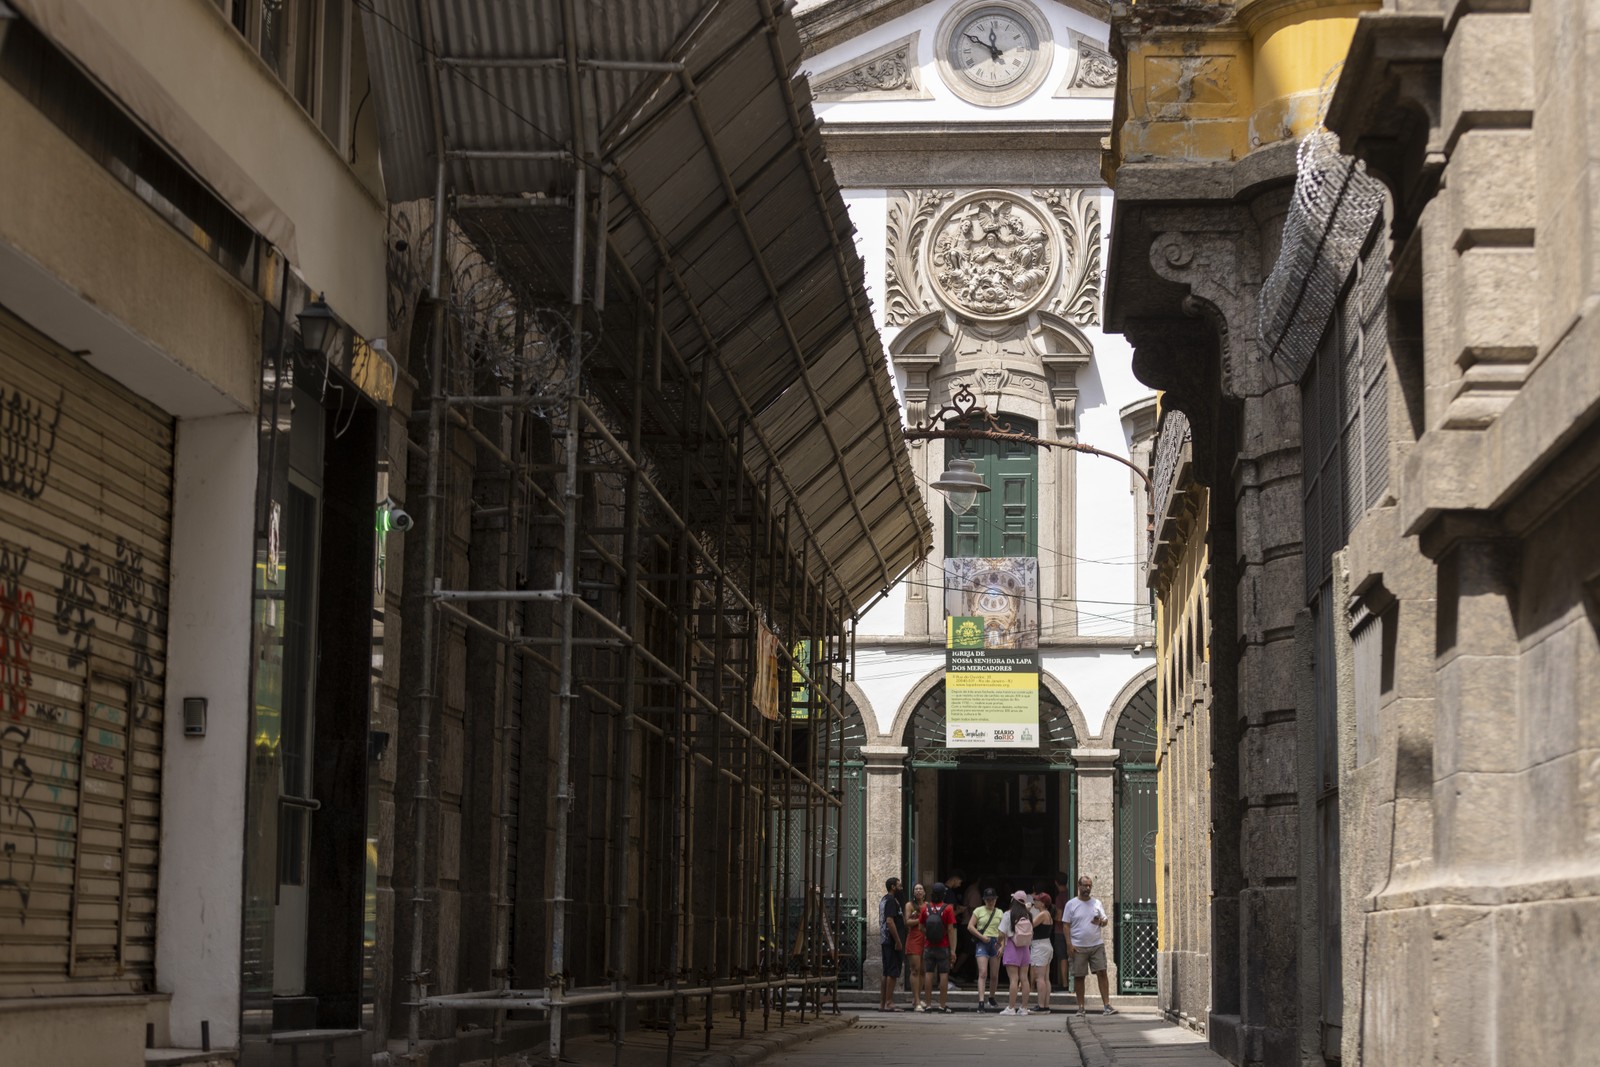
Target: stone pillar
{"points": [[1097, 840], [885, 771]]}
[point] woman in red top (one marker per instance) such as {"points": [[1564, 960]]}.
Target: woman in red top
{"points": [[916, 944]]}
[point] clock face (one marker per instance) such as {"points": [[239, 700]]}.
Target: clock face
{"points": [[994, 52], [994, 49]]}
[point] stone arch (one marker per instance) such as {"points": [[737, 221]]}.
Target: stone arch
{"points": [[860, 727], [1108, 728], [908, 705], [863, 705]]}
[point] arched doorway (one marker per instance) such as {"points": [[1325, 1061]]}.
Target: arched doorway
{"points": [[1006, 815], [1135, 907]]}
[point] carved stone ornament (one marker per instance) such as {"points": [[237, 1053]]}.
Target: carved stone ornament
{"points": [[1093, 71], [887, 73], [910, 213], [992, 256], [1077, 211], [990, 379]]}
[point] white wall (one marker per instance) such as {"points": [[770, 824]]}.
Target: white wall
{"points": [[1108, 532], [203, 779], [946, 106]]}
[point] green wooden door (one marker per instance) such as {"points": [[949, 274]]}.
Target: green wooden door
{"points": [[1005, 521]]}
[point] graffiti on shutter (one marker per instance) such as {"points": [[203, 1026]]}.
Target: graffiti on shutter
{"points": [[85, 512]]}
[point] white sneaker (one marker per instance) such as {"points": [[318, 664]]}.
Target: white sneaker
{"points": [[1008, 1011]]}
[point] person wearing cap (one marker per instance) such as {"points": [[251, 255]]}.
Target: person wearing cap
{"points": [[984, 926], [1016, 957], [1042, 950], [936, 957]]}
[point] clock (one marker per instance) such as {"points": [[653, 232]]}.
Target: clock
{"points": [[994, 53]]}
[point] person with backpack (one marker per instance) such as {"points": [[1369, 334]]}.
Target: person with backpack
{"points": [[1017, 929], [938, 928], [984, 926], [916, 943], [1042, 949]]}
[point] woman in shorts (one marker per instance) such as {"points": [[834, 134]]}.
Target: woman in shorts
{"points": [[916, 944], [984, 926], [1016, 957], [1041, 951]]}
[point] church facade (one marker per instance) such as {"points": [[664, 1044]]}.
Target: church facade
{"points": [[967, 139]]}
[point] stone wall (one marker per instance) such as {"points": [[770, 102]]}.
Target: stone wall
{"points": [[1475, 852]]}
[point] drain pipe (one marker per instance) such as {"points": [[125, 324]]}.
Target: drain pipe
{"points": [[425, 688]]}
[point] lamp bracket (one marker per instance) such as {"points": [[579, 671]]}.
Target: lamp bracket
{"points": [[964, 413]]}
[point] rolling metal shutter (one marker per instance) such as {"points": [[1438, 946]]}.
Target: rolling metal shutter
{"points": [[85, 515]]}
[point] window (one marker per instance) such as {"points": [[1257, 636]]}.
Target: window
{"points": [[306, 43], [1344, 416], [1005, 521]]}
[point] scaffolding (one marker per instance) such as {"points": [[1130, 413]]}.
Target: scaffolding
{"points": [[659, 572]]}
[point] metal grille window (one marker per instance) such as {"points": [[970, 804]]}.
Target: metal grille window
{"points": [[1344, 416], [1137, 741]]}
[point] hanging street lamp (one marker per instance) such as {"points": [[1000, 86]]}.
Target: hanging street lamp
{"points": [[964, 419]]}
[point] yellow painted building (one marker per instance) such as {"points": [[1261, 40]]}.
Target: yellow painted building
{"points": [[1212, 102]]}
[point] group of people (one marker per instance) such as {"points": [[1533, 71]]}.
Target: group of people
{"points": [[1024, 937]]}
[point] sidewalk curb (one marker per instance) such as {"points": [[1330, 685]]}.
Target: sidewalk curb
{"points": [[1090, 1049], [754, 1050]]}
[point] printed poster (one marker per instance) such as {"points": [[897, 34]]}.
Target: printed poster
{"points": [[991, 683], [991, 695]]}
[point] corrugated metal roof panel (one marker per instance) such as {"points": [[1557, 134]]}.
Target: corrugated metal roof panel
{"points": [[797, 364]]}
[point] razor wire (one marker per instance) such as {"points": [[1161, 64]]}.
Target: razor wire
{"points": [[1335, 205]]}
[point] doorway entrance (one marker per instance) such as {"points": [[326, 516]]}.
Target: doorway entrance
{"points": [[1002, 826], [1006, 813]]}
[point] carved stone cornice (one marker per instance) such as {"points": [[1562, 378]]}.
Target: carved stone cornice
{"points": [[918, 368], [1062, 371], [1093, 71], [829, 24], [1388, 101], [1216, 254], [887, 73]]}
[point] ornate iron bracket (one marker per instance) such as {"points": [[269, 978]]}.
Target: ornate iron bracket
{"points": [[967, 420]]}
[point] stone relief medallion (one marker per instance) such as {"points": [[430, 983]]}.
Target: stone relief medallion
{"points": [[992, 256]]}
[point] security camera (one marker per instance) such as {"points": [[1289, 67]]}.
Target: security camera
{"points": [[398, 519]]}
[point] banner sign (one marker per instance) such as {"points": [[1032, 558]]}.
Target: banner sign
{"points": [[800, 680], [991, 698], [1003, 592], [991, 681]]}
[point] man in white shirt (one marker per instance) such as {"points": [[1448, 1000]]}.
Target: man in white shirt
{"points": [[1086, 942]]}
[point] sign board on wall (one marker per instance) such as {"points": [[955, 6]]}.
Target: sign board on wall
{"points": [[991, 682]]}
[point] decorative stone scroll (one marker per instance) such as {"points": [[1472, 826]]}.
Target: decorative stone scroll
{"points": [[910, 213], [1077, 211], [1093, 72], [887, 73]]}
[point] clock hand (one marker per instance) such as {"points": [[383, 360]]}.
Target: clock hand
{"points": [[994, 53]]}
